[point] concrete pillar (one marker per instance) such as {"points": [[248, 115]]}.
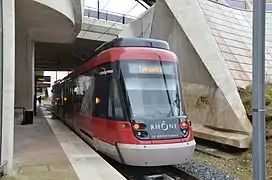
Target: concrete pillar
{"points": [[8, 83], [24, 71]]}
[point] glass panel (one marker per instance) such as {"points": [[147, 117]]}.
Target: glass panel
{"points": [[101, 97], [153, 89], [86, 12], [268, 6], [118, 110], [110, 113], [152, 97], [237, 4], [102, 15], [93, 14]]}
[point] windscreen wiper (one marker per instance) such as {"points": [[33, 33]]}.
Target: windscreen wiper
{"points": [[167, 91], [176, 104], [177, 101]]}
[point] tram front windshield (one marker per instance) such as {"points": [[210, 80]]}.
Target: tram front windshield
{"points": [[152, 89]]}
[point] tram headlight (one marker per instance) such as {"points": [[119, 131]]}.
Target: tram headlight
{"points": [[141, 134], [184, 128], [139, 130], [183, 124], [138, 126], [184, 133]]}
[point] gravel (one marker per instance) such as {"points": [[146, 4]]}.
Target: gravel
{"points": [[204, 172]]}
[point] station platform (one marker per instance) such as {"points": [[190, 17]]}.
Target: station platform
{"points": [[48, 150]]}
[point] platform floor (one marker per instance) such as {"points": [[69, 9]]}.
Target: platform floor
{"points": [[48, 150]]}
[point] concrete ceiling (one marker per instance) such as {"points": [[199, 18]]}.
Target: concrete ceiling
{"points": [[43, 23], [63, 57]]}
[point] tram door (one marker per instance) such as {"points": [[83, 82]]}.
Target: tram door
{"points": [[62, 95]]}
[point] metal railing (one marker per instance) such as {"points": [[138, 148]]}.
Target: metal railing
{"points": [[107, 15]]}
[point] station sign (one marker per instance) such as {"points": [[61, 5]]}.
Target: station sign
{"points": [[43, 79], [43, 85]]}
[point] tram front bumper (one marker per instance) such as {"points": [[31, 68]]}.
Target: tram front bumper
{"points": [[156, 154]]}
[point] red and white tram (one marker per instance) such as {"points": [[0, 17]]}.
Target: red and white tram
{"points": [[127, 103]]}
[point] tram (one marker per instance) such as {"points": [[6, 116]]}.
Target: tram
{"points": [[127, 103]]}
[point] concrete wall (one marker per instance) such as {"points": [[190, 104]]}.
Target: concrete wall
{"points": [[8, 83], [211, 96], [78, 9], [24, 65], [232, 30], [141, 27], [227, 113]]}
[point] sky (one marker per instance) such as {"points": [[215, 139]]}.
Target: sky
{"points": [[118, 6], [54, 75]]}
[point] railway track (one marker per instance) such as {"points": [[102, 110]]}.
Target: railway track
{"points": [[157, 173], [149, 173]]}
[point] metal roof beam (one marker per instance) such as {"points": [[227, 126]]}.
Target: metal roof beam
{"points": [[149, 2], [53, 69]]}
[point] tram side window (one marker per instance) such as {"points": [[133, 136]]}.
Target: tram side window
{"points": [[62, 95], [110, 106], [57, 92], [75, 95], [100, 97], [117, 103], [69, 95], [86, 103], [115, 110], [78, 94]]}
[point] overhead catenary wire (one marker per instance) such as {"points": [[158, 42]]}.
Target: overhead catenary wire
{"points": [[116, 22], [141, 4], [146, 29]]}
